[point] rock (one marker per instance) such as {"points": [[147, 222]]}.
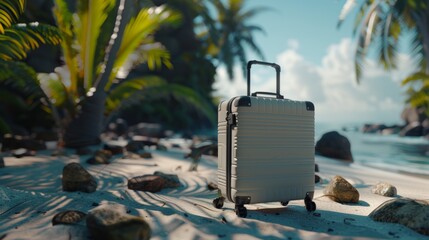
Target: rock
{"points": [[2, 165], [76, 178], [153, 183], [416, 122], [119, 127], [413, 114], [425, 125], [134, 146], [373, 128], [153, 130], [414, 129], [212, 186], [68, 217], [100, 157], [161, 147], [316, 167], [146, 155], [172, 179], [334, 145], [381, 129], [339, 190], [411, 213], [147, 183], [109, 223], [145, 141], [23, 152], [115, 147], [131, 155], [384, 189]]}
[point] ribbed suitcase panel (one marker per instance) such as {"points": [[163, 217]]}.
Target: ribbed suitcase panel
{"points": [[222, 127], [273, 151]]}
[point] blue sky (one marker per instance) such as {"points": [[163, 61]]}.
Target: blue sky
{"points": [[317, 64]]}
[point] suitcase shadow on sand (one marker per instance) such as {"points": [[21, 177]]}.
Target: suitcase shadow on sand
{"points": [[320, 221]]}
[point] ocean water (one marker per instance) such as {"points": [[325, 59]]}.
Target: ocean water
{"points": [[388, 152]]}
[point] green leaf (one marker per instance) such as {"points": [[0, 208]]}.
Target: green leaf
{"points": [[19, 39], [10, 11], [128, 88], [418, 76]]}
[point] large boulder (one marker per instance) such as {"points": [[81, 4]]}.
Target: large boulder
{"points": [[334, 145], [411, 213], [416, 122]]}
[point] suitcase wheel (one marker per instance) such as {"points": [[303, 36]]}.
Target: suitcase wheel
{"points": [[309, 204], [218, 202], [284, 203], [241, 211]]}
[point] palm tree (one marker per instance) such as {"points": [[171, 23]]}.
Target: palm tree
{"points": [[98, 37], [381, 25], [418, 90], [235, 34], [19, 86]]}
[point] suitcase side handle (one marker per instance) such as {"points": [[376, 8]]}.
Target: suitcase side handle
{"points": [[275, 66]]}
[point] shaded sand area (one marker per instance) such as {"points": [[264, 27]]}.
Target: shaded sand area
{"points": [[31, 194]]}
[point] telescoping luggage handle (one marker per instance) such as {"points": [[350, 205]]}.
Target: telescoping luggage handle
{"points": [[275, 66]]}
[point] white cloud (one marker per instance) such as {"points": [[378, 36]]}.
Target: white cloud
{"points": [[226, 88], [330, 85]]}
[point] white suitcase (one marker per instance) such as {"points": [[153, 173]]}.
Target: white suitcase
{"points": [[265, 149]]}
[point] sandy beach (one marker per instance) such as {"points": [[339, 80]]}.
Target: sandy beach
{"points": [[31, 194]]}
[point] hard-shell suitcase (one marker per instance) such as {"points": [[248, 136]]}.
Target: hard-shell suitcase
{"points": [[265, 149]]}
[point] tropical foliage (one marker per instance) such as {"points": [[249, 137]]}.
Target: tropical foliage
{"points": [[193, 68], [381, 26], [235, 34], [418, 90], [98, 39], [20, 93]]}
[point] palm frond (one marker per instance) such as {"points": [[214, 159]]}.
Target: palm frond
{"points": [[142, 27], [418, 90], [64, 20], [19, 75], [361, 15], [128, 88], [92, 15], [187, 95], [11, 98], [19, 39], [253, 12], [54, 88], [417, 76], [10, 11], [347, 7]]}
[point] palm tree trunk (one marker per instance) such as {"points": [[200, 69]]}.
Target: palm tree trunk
{"points": [[85, 128]]}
